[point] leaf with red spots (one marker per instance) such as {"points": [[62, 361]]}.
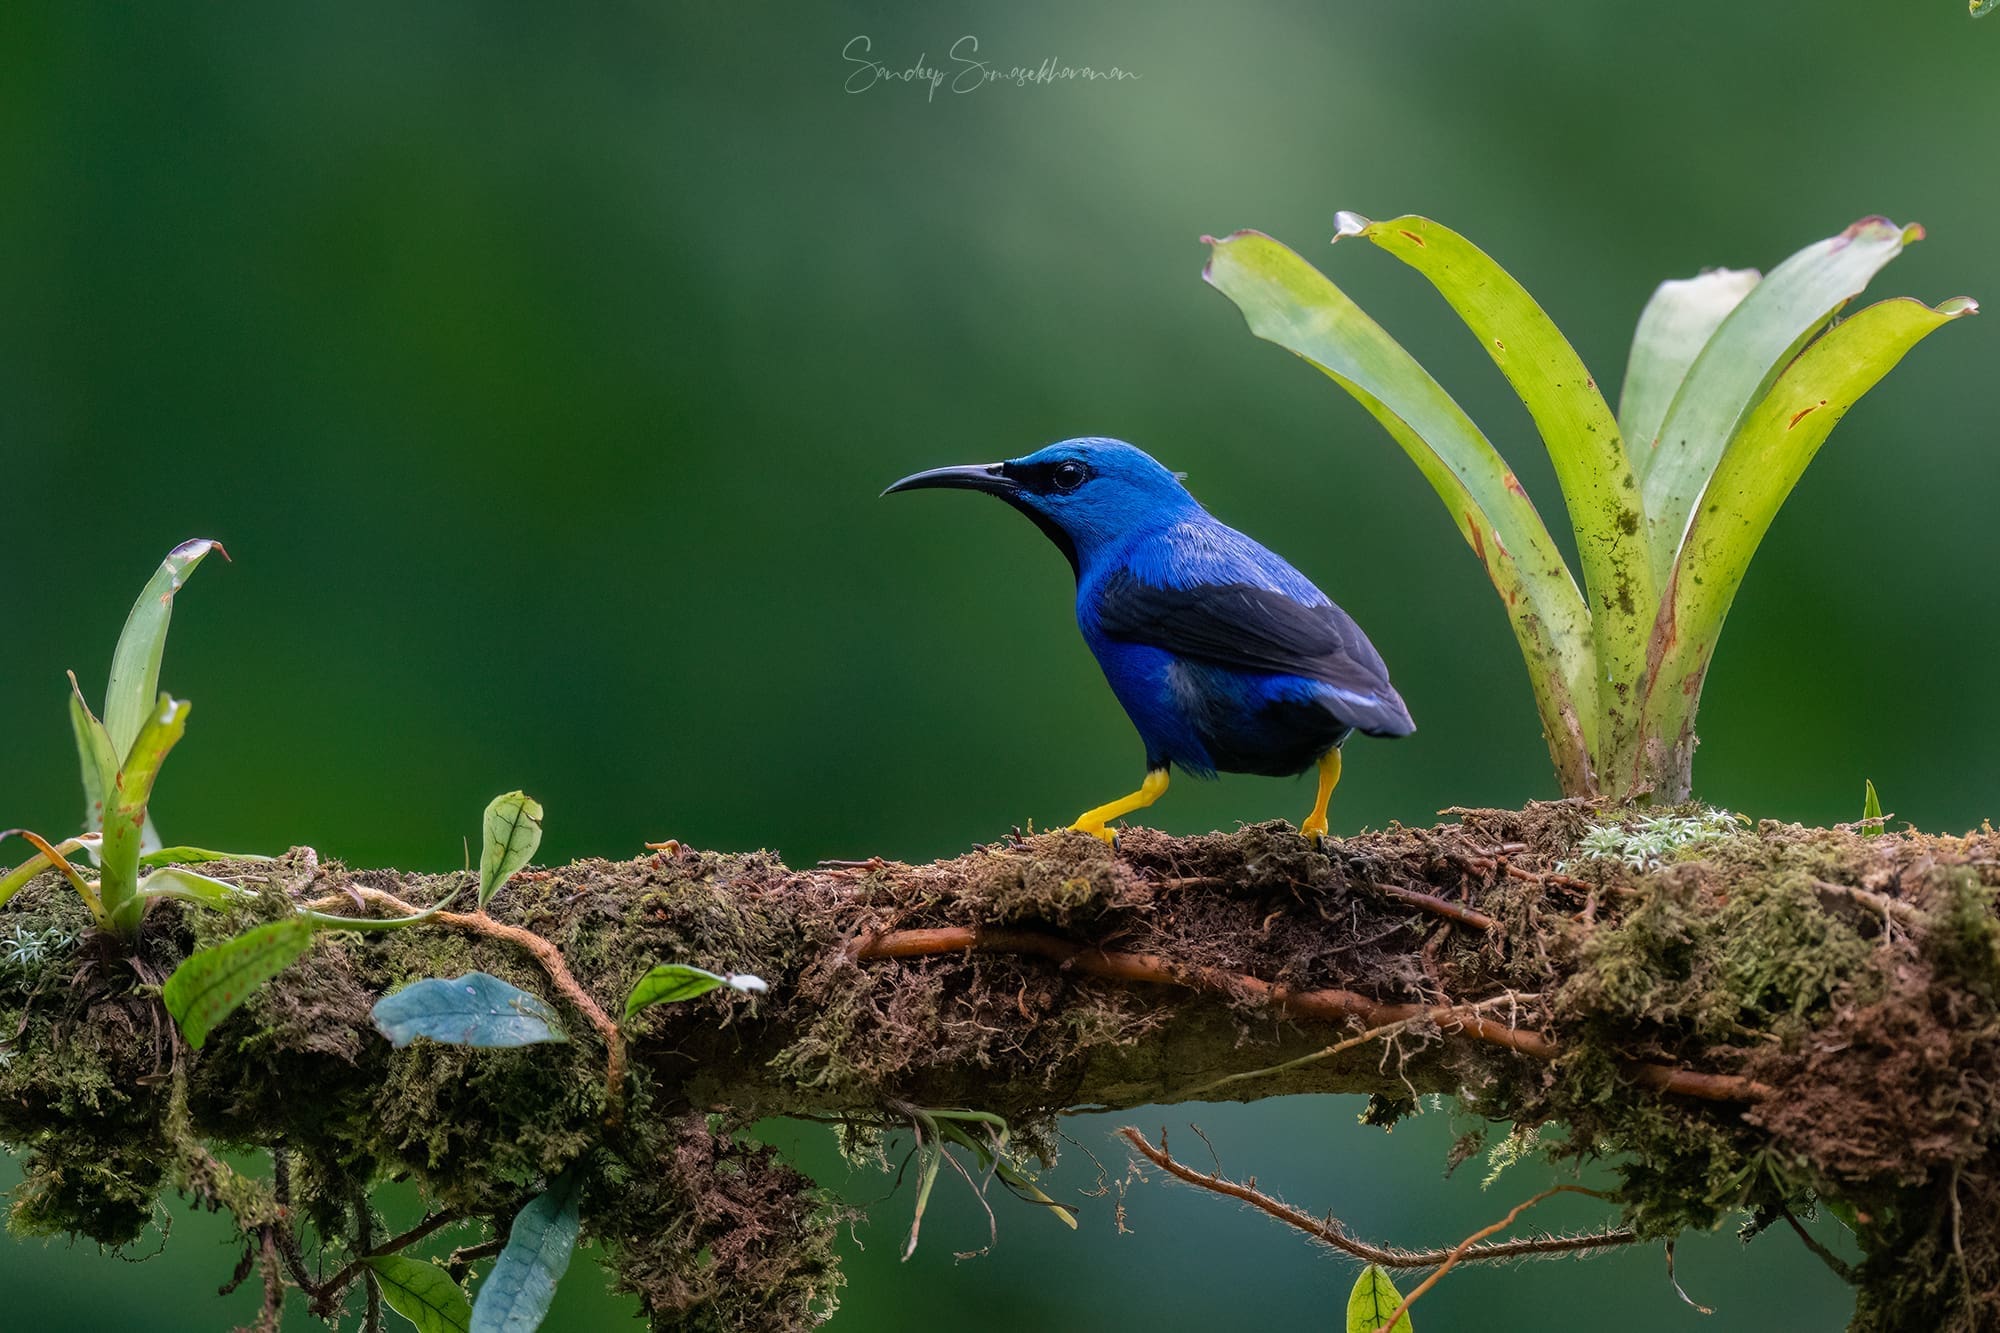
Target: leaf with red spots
{"points": [[212, 983]]}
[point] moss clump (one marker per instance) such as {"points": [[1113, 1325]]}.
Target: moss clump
{"points": [[718, 1235], [73, 1186]]}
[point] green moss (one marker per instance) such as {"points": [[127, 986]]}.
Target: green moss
{"points": [[75, 1186]]}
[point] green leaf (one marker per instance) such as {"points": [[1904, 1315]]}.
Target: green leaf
{"points": [[930, 1156], [95, 756], [210, 985], [1590, 457], [1288, 302], [513, 831], [192, 856], [1025, 1183], [1754, 343], [1871, 810], [1372, 1301], [472, 1010], [125, 810], [17, 878], [189, 886], [135, 664], [1757, 471], [670, 983], [422, 1293], [515, 1296], [1676, 324]]}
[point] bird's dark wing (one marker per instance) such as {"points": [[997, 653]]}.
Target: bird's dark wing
{"points": [[1249, 628]]}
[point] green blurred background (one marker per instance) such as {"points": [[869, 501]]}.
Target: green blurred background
{"points": [[540, 369]]}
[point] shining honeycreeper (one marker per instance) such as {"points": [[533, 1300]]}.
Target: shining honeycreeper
{"points": [[1224, 656]]}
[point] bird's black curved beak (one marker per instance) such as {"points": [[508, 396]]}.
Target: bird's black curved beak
{"points": [[988, 477]]}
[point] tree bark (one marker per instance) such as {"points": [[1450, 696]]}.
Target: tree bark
{"points": [[1769, 1017]]}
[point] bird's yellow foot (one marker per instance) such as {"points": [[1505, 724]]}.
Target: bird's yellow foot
{"points": [[1329, 778], [1096, 822]]}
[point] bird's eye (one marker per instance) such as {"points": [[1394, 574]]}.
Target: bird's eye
{"points": [[1069, 476]]}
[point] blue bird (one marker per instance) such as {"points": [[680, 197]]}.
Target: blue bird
{"points": [[1224, 656]]}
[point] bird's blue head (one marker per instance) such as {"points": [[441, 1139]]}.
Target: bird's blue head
{"points": [[1089, 495]]}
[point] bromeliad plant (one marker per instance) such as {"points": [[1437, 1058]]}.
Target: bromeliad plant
{"points": [[1733, 383], [120, 756]]}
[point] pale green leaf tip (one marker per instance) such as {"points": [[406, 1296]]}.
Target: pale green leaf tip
{"points": [[1216, 245], [1746, 278], [1981, 8], [1349, 224], [1959, 305]]}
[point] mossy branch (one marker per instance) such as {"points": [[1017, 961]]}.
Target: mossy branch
{"points": [[1770, 1017]]}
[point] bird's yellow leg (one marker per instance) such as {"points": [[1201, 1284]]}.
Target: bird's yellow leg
{"points": [[1329, 778], [1093, 821]]}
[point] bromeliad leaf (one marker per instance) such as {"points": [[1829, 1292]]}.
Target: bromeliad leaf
{"points": [[135, 664], [95, 756], [472, 1010], [422, 1293], [192, 856], [1287, 301], [190, 886], [513, 831], [125, 810], [11, 883], [515, 1296], [1763, 461], [670, 983], [930, 1156], [1592, 461], [1673, 328], [211, 984], [1753, 343], [1372, 1301], [1024, 1184]]}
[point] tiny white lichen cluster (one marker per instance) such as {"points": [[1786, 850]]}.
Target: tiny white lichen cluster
{"points": [[22, 947], [1650, 843]]}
